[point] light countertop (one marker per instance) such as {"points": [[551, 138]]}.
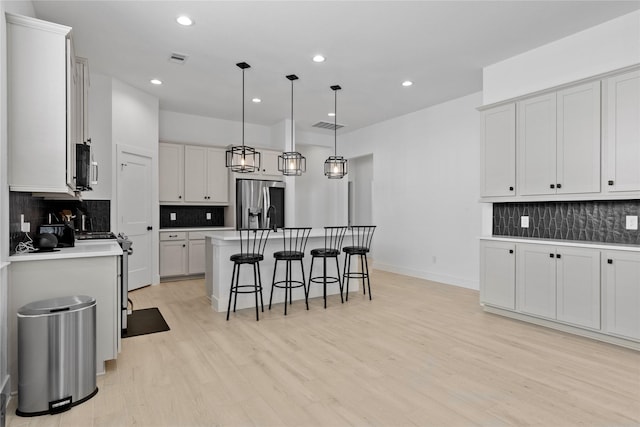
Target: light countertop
{"points": [[187, 229], [568, 243], [95, 248], [231, 235]]}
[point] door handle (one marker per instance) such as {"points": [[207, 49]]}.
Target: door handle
{"points": [[149, 228]]}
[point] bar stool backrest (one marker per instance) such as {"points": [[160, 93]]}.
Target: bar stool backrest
{"points": [[361, 236], [295, 238], [253, 240], [333, 237]]}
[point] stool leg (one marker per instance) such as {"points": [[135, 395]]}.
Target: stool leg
{"points": [[260, 286], [275, 267], [286, 284], [235, 297], [304, 285], [324, 280], [339, 281], [290, 267], [362, 272], [308, 288], [368, 280], [255, 287], [233, 274], [347, 269]]}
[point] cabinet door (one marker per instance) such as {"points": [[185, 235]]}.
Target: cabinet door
{"points": [[498, 274], [269, 163], [171, 172], [578, 139], [536, 280], [173, 258], [498, 155], [217, 177], [578, 286], [622, 293], [537, 145], [195, 173], [196, 257], [622, 132]]}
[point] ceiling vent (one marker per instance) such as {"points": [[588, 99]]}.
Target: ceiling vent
{"points": [[178, 58], [327, 125]]}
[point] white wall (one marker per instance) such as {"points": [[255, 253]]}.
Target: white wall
{"points": [[361, 179], [426, 190], [190, 129], [135, 123], [609, 46]]}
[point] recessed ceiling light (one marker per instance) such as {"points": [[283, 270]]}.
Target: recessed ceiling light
{"points": [[156, 82], [184, 20], [407, 83], [331, 114], [318, 58], [257, 100]]}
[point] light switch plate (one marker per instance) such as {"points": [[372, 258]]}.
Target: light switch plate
{"points": [[524, 221], [208, 215], [632, 222], [172, 216]]}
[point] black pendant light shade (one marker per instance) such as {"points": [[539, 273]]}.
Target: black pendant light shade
{"points": [[241, 158], [292, 163], [335, 167]]}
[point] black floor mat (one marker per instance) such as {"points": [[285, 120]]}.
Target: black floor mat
{"points": [[145, 321]]}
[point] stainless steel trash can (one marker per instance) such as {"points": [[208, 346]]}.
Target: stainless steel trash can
{"points": [[56, 354]]}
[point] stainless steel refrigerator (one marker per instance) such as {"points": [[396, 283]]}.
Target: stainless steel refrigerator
{"points": [[259, 204]]}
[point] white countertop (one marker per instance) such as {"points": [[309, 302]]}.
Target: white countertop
{"points": [[570, 243], [94, 248]]}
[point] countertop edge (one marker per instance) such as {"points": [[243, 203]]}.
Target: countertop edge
{"points": [[78, 251], [570, 243]]}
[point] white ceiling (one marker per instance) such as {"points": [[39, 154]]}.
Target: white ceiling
{"points": [[370, 46]]}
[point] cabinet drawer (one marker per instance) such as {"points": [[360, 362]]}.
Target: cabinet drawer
{"points": [[173, 235], [196, 235]]}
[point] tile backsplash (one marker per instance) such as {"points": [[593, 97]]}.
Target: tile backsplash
{"points": [[191, 216], [600, 221]]}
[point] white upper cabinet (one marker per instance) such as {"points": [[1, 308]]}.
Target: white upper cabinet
{"points": [[206, 176], [498, 152], [559, 142], [41, 156], [578, 139], [171, 172], [622, 132]]}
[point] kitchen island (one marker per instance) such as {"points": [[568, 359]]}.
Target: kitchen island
{"points": [[90, 268], [220, 245]]}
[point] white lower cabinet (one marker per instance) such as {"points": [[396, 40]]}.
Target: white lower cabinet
{"points": [[181, 253], [621, 284], [498, 274], [569, 287]]}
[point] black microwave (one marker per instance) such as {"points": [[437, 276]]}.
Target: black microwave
{"points": [[83, 167]]}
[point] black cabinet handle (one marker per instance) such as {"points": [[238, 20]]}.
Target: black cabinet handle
{"points": [[510, 251], [510, 188], [552, 186], [558, 185], [179, 197], [610, 182], [149, 228], [609, 261], [184, 246], [558, 256], [551, 255]]}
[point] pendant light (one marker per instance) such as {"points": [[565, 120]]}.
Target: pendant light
{"points": [[241, 158], [292, 163], [335, 167]]}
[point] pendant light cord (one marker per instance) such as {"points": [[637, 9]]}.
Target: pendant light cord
{"points": [[243, 112], [335, 123], [291, 115]]}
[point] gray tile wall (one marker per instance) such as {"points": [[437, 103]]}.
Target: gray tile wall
{"points": [[590, 221]]}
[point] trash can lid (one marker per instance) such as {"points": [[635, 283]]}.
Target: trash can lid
{"points": [[56, 305]]}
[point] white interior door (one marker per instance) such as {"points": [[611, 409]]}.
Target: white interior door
{"points": [[134, 211]]}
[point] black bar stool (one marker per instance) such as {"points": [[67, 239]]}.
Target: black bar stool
{"points": [[295, 241], [252, 243], [361, 236], [333, 237]]}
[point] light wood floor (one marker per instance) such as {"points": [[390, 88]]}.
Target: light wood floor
{"points": [[419, 354]]}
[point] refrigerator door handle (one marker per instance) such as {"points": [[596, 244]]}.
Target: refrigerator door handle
{"points": [[265, 209]]}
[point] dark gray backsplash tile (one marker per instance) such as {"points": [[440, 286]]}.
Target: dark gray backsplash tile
{"points": [[191, 216], [592, 221]]}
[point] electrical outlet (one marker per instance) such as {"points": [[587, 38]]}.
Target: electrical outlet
{"points": [[172, 216], [524, 221], [632, 222], [208, 215], [26, 227]]}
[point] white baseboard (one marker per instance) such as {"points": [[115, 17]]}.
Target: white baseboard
{"points": [[434, 277]]}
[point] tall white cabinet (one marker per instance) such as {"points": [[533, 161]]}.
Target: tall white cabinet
{"points": [[171, 172], [498, 151]]}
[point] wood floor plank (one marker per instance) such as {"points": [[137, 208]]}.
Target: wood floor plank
{"points": [[419, 354]]}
